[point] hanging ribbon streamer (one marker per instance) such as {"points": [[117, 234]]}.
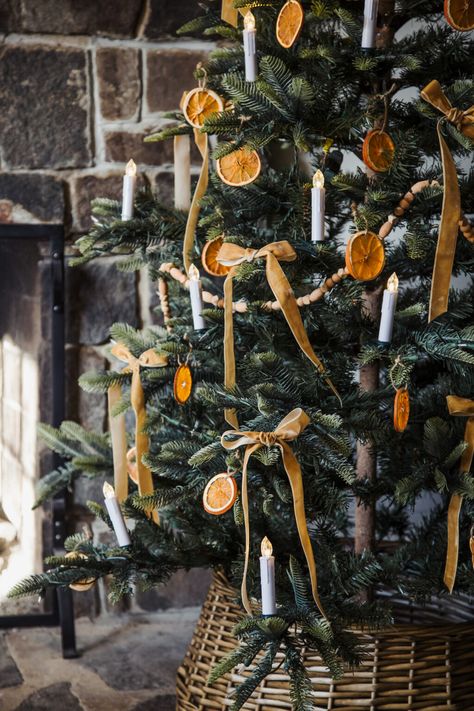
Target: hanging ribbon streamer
{"points": [[230, 14], [182, 169], [148, 359], [458, 407], [118, 436], [231, 255], [451, 210], [202, 143], [287, 431]]}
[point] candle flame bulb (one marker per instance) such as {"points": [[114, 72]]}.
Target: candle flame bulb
{"points": [[193, 273], [131, 169], [392, 283], [266, 547], [318, 179], [109, 491], [249, 21]]}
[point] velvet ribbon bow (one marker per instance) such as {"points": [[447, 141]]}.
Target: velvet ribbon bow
{"points": [[458, 407], [451, 210], [148, 359], [232, 255], [288, 430]]}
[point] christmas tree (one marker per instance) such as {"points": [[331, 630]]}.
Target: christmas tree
{"points": [[333, 370]]}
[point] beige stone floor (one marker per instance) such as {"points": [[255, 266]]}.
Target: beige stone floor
{"points": [[126, 663]]}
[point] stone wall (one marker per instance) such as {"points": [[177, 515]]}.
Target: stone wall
{"points": [[81, 84]]}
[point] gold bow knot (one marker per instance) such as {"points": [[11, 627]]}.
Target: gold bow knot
{"points": [[232, 255], [458, 407], [288, 430], [451, 210], [148, 359], [230, 14]]}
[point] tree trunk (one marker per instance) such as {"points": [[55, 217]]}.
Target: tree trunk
{"points": [[366, 456], [366, 467]]}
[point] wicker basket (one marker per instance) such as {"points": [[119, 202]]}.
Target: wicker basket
{"points": [[425, 662]]}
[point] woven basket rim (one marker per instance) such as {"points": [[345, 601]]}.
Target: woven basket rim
{"points": [[220, 579]]}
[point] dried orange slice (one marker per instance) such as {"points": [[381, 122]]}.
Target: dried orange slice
{"points": [[220, 494], [183, 384], [365, 256], [401, 410], [209, 258], [378, 150], [199, 104], [80, 585], [460, 14], [289, 23], [240, 167], [132, 468]]}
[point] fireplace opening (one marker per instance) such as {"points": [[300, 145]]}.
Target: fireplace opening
{"points": [[29, 382]]}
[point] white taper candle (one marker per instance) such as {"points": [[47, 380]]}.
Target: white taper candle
{"points": [[389, 304], [250, 47], [116, 516], [129, 182], [182, 172], [318, 204], [267, 578], [197, 304], [370, 23]]}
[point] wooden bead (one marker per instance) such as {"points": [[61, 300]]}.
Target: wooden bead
{"points": [[404, 204], [409, 197], [385, 230], [329, 283], [399, 211]]}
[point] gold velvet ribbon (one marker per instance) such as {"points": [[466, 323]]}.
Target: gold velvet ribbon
{"points": [[202, 143], [232, 255], [230, 14], [148, 359], [118, 434], [287, 431], [458, 407], [451, 210]]}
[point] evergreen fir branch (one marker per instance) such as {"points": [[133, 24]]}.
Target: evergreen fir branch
{"points": [[259, 672], [52, 483], [300, 684]]}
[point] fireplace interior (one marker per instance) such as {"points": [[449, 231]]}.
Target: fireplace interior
{"points": [[27, 391]]}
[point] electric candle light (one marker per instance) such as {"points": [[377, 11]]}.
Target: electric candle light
{"points": [[129, 182], [116, 516], [370, 23], [267, 578], [250, 47], [195, 292], [389, 304], [318, 199]]}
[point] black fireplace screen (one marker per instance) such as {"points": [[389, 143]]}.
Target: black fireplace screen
{"points": [[31, 391]]}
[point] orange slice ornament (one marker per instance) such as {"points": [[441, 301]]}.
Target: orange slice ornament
{"points": [[220, 494], [378, 151], [183, 384], [80, 585], [289, 23], [401, 410], [460, 14], [199, 104], [209, 258], [239, 168], [365, 256]]}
